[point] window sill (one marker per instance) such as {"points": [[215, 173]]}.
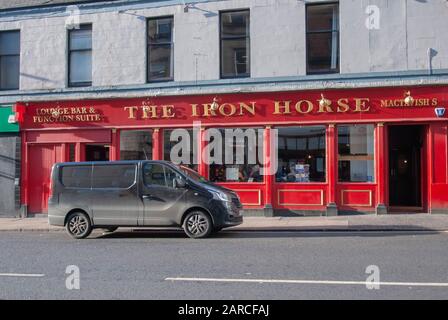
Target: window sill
{"points": [[234, 77], [159, 81], [80, 85]]}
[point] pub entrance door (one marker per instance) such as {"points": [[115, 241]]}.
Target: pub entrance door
{"points": [[405, 168], [42, 157]]}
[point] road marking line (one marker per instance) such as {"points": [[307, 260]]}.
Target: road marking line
{"points": [[26, 275], [363, 283]]}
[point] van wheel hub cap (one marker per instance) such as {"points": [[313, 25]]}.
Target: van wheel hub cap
{"points": [[197, 224], [78, 225]]}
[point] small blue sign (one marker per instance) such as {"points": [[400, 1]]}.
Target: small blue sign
{"points": [[440, 112]]}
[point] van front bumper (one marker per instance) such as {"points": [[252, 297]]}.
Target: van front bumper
{"points": [[225, 216], [232, 221]]}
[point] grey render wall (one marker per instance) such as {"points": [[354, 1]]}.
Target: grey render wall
{"points": [[9, 174], [278, 46], [408, 28]]}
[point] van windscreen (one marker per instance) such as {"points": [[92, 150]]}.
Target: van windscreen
{"points": [[76, 176], [113, 176]]}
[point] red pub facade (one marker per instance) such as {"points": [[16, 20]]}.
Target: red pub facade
{"points": [[370, 150]]}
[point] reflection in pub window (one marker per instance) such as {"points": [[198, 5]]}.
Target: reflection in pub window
{"points": [[301, 154], [136, 145], [182, 141], [240, 159], [96, 152], [355, 145]]}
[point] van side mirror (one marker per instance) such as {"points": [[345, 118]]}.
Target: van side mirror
{"points": [[180, 183]]}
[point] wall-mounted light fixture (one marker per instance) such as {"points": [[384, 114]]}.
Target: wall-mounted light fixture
{"points": [[408, 99], [214, 105], [186, 6], [324, 103]]}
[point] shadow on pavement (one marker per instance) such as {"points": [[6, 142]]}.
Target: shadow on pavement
{"points": [[232, 234]]}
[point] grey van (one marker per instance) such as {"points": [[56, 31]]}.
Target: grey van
{"points": [[87, 195]]}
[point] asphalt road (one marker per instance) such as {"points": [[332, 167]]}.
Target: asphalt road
{"points": [[300, 265]]}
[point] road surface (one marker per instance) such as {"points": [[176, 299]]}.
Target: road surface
{"points": [[231, 265]]}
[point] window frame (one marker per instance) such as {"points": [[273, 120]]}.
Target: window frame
{"points": [[222, 39], [193, 137], [151, 132], [12, 55], [85, 26], [148, 45], [234, 127], [338, 180], [325, 164], [329, 71]]}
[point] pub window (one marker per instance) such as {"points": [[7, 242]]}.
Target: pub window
{"points": [[240, 159], [80, 56], [184, 155], [9, 60], [301, 154], [136, 145], [355, 146], [322, 38], [160, 49], [235, 44], [97, 152]]}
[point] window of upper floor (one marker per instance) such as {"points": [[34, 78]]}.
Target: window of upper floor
{"points": [[235, 44], [80, 56], [160, 64], [322, 38], [9, 60]]}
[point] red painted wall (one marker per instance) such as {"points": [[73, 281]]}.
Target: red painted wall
{"points": [[439, 165]]}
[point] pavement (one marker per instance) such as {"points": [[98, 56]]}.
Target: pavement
{"points": [[396, 222]]}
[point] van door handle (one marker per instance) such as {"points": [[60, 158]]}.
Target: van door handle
{"points": [[146, 196]]}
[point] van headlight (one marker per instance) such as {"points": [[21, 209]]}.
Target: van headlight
{"points": [[221, 196]]}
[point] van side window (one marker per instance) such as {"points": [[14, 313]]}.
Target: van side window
{"points": [[76, 176], [171, 176], [156, 174], [121, 176], [153, 174]]}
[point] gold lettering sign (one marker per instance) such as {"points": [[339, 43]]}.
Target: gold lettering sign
{"points": [[397, 103], [66, 114], [355, 105], [279, 107]]}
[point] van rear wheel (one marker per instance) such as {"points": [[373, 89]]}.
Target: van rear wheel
{"points": [[197, 224], [78, 225]]}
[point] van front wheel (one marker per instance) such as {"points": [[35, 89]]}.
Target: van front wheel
{"points": [[78, 225], [197, 224]]}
